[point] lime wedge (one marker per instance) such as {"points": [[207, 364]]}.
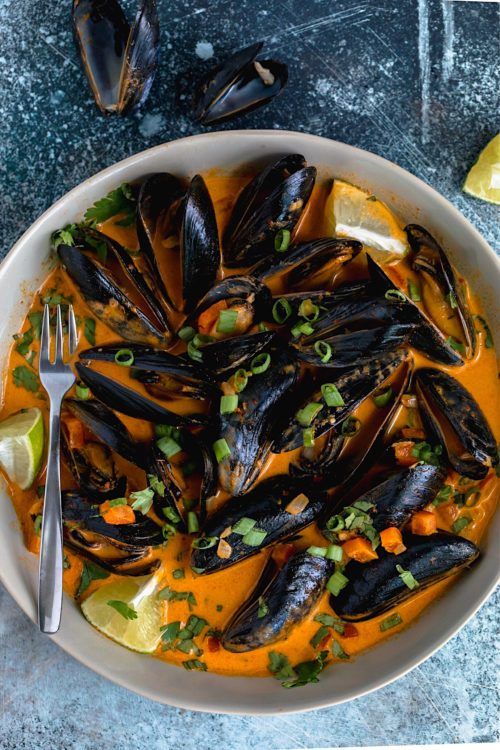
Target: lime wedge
{"points": [[21, 446], [483, 180], [138, 596], [354, 213]]}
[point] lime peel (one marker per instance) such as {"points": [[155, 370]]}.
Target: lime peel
{"points": [[22, 438]]}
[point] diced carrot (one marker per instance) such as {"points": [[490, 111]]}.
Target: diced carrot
{"points": [[213, 643], [350, 631], [423, 523], [392, 541], [360, 549], [75, 431], [412, 432], [403, 452], [117, 514], [282, 553], [210, 316]]}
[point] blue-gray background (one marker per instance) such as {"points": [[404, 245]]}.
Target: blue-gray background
{"points": [[415, 81]]}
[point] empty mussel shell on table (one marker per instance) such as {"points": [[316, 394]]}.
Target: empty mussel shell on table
{"points": [[289, 595], [120, 61], [239, 85], [280, 507], [375, 587]]}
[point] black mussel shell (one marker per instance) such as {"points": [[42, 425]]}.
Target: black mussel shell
{"points": [[106, 300], [375, 587], [354, 386], [267, 506], [199, 243], [93, 470], [302, 256], [230, 354], [289, 595], [430, 258], [235, 288], [248, 430], [120, 62], [272, 201], [448, 406], [131, 563], [238, 86], [130, 402], [158, 206]]}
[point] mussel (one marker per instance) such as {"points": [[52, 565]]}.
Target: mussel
{"points": [[239, 85], [375, 587], [222, 357], [93, 469], [248, 430], [119, 61], [274, 200], [288, 595], [455, 418], [270, 507]]}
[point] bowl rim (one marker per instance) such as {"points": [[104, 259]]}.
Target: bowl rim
{"points": [[211, 705]]}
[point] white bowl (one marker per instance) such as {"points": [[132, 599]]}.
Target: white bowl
{"points": [[23, 270]]}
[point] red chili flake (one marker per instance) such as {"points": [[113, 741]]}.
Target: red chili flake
{"points": [[213, 643], [350, 631], [282, 553]]}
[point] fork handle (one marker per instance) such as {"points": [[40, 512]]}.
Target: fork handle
{"points": [[51, 547]]}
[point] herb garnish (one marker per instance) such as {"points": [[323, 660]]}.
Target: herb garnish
{"points": [[143, 500], [90, 572], [89, 330], [168, 594], [123, 609], [23, 377], [118, 201]]}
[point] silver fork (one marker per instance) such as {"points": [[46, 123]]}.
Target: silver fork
{"points": [[57, 378]]}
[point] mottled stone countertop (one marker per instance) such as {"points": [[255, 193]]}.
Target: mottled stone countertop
{"points": [[415, 81]]}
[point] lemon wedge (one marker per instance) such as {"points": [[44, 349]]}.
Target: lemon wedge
{"points": [[21, 446], [483, 179], [354, 213], [128, 612]]}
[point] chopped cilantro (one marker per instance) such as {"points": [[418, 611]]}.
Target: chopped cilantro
{"points": [[25, 378], [89, 330], [119, 201], [123, 609], [90, 572]]}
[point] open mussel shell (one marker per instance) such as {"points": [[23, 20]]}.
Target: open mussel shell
{"points": [[289, 595], [119, 61], [236, 290], [267, 506], [132, 536], [375, 587], [426, 336], [222, 357], [93, 469], [248, 430], [239, 85], [96, 548], [430, 258], [106, 300], [456, 419], [130, 402], [274, 200], [168, 372], [305, 259], [354, 386], [200, 251]]}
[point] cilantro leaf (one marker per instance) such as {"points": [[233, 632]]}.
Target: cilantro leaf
{"points": [[64, 236], [35, 318], [123, 609], [279, 666], [168, 594], [25, 378], [89, 330], [307, 671], [24, 342], [116, 202], [90, 572]]}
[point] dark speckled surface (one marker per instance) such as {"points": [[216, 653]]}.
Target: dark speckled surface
{"points": [[415, 81]]}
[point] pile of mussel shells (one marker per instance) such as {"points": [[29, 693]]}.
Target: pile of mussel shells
{"points": [[267, 372]]}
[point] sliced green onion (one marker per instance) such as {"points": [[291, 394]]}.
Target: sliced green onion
{"points": [[306, 415], [336, 583], [460, 524], [193, 525], [178, 573], [263, 328], [382, 399], [243, 526], [302, 328], [187, 333], [254, 537], [308, 310], [395, 295], [228, 404], [317, 551], [263, 608], [308, 437], [472, 497], [168, 446], [414, 291], [443, 495], [227, 321], [204, 542], [323, 350], [350, 427], [456, 345], [319, 636], [240, 380], [338, 651], [171, 514], [124, 357], [407, 578], [221, 450], [193, 352], [334, 552], [200, 339], [390, 622], [331, 395], [82, 391], [282, 310], [335, 523], [260, 363], [37, 524], [282, 240]]}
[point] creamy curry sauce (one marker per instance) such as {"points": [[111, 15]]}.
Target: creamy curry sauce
{"points": [[218, 595]]}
